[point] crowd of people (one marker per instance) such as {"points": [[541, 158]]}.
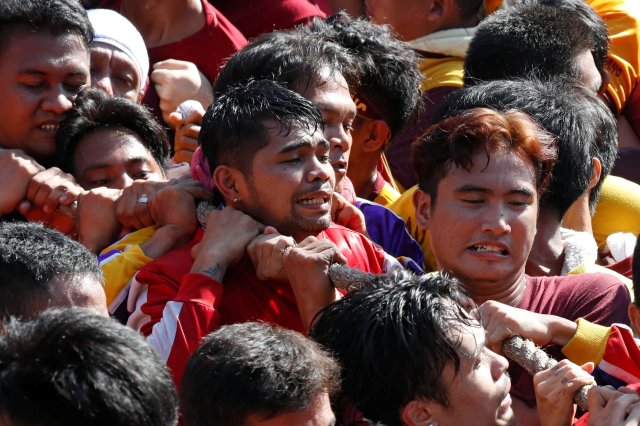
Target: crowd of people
{"points": [[328, 212]]}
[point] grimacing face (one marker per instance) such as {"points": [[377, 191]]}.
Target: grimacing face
{"points": [[113, 158], [40, 76], [291, 183], [479, 393], [483, 221]]}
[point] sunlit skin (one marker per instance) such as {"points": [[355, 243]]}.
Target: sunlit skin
{"points": [[483, 223], [291, 183], [333, 99], [478, 393], [40, 76], [113, 158], [408, 18], [113, 72], [318, 413]]}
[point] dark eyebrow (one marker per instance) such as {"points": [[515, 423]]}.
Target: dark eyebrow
{"points": [[473, 188], [330, 108], [129, 161], [303, 143], [521, 191]]}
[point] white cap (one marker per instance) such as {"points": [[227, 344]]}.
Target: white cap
{"points": [[114, 29]]}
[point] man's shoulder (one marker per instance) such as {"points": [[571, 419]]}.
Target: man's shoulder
{"points": [[175, 263], [589, 280], [337, 233]]}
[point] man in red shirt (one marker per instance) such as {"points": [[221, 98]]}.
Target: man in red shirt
{"points": [[271, 168]]}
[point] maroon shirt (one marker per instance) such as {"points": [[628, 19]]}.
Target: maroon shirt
{"points": [[597, 297]]}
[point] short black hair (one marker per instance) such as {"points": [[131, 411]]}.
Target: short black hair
{"points": [[526, 39], [31, 256], [234, 127], [56, 16], [582, 123], [296, 58], [69, 366], [95, 110], [390, 78], [393, 339], [253, 369], [597, 27]]}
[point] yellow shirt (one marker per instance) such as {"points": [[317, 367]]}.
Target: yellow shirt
{"points": [[438, 72], [618, 209], [622, 18], [122, 260], [403, 207]]}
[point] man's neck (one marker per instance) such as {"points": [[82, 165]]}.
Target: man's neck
{"points": [[363, 177], [164, 21], [507, 293], [547, 254]]}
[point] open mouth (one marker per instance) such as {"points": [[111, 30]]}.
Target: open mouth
{"points": [[49, 127], [314, 201], [488, 248]]}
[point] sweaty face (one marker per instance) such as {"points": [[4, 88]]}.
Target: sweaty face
{"points": [[40, 76], [338, 111], [113, 72], [483, 222], [318, 413], [408, 18], [113, 158], [479, 392], [291, 183]]}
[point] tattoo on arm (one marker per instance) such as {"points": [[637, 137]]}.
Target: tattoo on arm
{"points": [[215, 271]]}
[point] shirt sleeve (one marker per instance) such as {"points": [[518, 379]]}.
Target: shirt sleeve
{"points": [[183, 321]]}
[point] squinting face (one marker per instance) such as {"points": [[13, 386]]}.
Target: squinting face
{"points": [[40, 76], [333, 99], [408, 18], [318, 413], [113, 72], [479, 393], [113, 158], [291, 183], [483, 222]]}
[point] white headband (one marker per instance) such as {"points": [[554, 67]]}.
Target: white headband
{"points": [[114, 29]]}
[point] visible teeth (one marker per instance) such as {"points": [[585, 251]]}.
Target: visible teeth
{"points": [[312, 201], [50, 127], [493, 249]]}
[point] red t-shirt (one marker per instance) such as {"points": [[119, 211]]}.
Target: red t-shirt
{"points": [[258, 17]]}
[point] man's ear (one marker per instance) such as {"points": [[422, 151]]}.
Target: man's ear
{"points": [[422, 206], [417, 413], [227, 180], [595, 173], [379, 135], [634, 316]]}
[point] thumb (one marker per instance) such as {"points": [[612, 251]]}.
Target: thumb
{"points": [[175, 118], [270, 230], [588, 367]]}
